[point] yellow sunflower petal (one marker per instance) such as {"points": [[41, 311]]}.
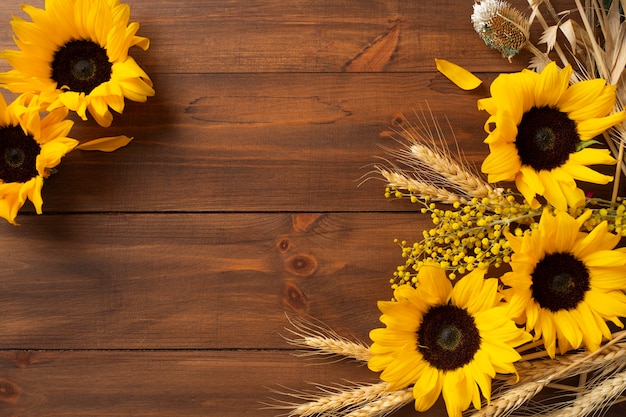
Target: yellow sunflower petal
{"points": [[587, 99], [590, 128], [551, 85], [34, 193], [502, 164], [611, 259], [12, 198], [433, 285], [608, 278], [609, 305], [529, 184], [461, 77], [553, 192], [456, 393], [514, 93], [52, 152], [427, 388], [467, 290], [548, 331], [505, 132], [583, 173], [483, 380], [592, 335], [591, 156], [569, 328], [599, 239]]}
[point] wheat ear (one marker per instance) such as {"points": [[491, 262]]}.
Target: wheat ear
{"points": [[455, 173], [341, 398], [399, 179], [425, 164], [539, 369], [324, 341], [514, 397], [595, 399], [385, 405]]}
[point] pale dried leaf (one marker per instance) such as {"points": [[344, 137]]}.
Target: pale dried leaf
{"points": [[567, 28], [536, 64], [613, 21], [618, 56], [549, 36]]}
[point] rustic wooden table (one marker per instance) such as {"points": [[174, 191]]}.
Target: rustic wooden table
{"points": [[157, 281]]}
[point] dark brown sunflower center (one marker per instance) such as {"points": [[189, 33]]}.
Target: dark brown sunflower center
{"points": [[81, 66], [545, 138], [448, 338], [18, 155], [560, 282]]}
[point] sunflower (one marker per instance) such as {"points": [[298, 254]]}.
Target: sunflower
{"points": [[29, 148], [445, 340], [540, 128], [565, 284], [75, 54]]}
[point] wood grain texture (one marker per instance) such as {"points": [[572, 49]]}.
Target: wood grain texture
{"points": [[189, 281], [213, 36], [157, 281], [186, 384]]}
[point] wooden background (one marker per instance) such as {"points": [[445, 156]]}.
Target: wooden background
{"points": [[157, 280]]}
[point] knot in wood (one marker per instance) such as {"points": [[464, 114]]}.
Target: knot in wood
{"points": [[294, 298], [301, 264], [284, 245], [9, 392]]}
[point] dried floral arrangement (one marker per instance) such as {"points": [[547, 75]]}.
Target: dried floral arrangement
{"points": [[513, 290], [72, 57]]}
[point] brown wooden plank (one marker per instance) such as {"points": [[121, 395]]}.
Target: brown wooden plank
{"points": [[298, 142], [193, 281], [138, 384], [259, 142], [165, 384], [200, 36]]}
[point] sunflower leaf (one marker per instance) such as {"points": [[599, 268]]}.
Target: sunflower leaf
{"points": [[585, 143]]}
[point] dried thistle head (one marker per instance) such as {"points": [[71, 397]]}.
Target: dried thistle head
{"points": [[501, 26]]}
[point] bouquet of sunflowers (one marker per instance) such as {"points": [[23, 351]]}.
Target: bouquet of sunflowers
{"points": [[73, 56], [514, 289]]}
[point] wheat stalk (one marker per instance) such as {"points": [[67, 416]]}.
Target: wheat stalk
{"points": [[529, 370], [594, 399]]}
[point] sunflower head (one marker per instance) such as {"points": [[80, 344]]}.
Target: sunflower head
{"points": [[565, 284], [74, 53], [445, 340], [540, 128], [30, 147]]}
